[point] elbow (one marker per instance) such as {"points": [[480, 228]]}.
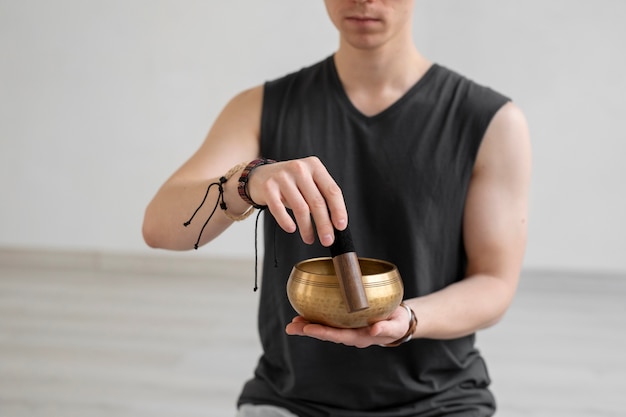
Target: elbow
{"points": [[153, 232], [493, 321], [150, 236], [158, 235], [499, 310], [501, 300]]}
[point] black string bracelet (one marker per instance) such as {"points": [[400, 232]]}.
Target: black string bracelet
{"points": [[222, 204], [217, 202]]}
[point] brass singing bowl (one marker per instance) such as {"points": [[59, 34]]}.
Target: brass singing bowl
{"points": [[313, 291]]}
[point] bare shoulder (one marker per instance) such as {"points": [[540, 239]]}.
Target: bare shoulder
{"points": [[240, 120], [506, 144], [244, 109], [233, 138], [250, 98]]}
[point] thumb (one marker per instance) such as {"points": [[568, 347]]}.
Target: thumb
{"points": [[394, 327]]}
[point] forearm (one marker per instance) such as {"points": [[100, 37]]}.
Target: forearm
{"points": [[174, 205], [233, 139], [477, 302]]}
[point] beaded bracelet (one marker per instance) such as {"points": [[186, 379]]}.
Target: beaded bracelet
{"points": [[245, 176], [409, 333], [225, 178]]}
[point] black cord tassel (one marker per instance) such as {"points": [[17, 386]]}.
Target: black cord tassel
{"points": [[218, 202], [221, 203], [256, 250]]}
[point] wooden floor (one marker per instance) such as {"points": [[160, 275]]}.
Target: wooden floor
{"points": [[103, 339]]}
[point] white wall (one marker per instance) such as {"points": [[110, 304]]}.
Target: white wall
{"points": [[101, 100]]}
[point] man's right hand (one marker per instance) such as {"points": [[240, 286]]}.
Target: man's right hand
{"points": [[306, 187]]}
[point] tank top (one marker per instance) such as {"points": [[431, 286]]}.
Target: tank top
{"points": [[404, 174]]}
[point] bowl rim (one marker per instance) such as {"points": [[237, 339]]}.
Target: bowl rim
{"points": [[298, 266]]}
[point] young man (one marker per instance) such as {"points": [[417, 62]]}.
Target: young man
{"points": [[433, 171]]}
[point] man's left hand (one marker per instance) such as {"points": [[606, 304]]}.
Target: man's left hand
{"points": [[380, 333]]}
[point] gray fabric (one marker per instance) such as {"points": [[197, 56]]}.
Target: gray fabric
{"points": [[249, 410]]}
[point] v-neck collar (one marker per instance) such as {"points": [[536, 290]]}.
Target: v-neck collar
{"points": [[345, 99]]}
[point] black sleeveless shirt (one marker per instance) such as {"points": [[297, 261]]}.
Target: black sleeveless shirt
{"points": [[404, 174]]}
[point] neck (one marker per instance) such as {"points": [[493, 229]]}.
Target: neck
{"points": [[375, 78], [400, 67]]}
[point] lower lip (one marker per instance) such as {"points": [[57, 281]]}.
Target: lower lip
{"points": [[362, 22]]}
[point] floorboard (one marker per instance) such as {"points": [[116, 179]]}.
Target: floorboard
{"points": [[95, 342]]}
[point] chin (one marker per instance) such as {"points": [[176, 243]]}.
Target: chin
{"points": [[365, 43]]}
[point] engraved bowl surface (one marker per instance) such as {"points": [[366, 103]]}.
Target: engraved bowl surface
{"points": [[313, 291]]}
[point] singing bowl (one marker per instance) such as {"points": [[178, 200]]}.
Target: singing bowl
{"points": [[313, 291]]}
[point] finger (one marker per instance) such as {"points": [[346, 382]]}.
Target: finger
{"points": [[393, 328], [302, 215], [320, 332], [306, 201], [384, 329], [360, 338], [295, 328], [327, 205], [336, 206], [276, 205], [299, 319], [350, 337], [287, 184], [282, 217], [316, 209], [270, 187]]}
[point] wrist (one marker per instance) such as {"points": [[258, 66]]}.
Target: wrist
{"points": [[412, 326], [244, 178], [233, 207]]}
